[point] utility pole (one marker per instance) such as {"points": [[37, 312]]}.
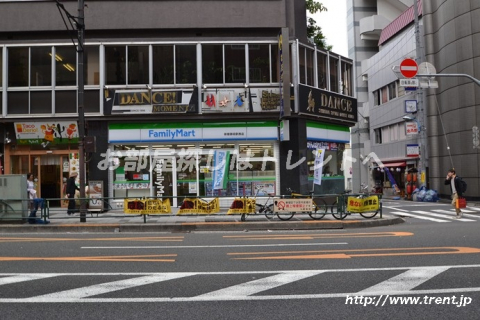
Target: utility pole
{"points": [[423, 160], [81, 110]]}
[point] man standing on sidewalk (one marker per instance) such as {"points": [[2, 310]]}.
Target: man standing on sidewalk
{"points": [[456, 188], [71, 188]]}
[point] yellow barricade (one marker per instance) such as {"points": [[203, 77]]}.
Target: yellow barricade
{"points": [[199, 206], [147, 206], [242, 205]]}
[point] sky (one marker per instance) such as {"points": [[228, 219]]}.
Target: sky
{"points": [[334, 24]]}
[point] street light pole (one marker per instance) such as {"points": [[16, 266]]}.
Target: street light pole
{"points": [[423, 159], [81, 113]]}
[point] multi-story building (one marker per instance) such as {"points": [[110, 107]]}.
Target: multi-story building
{"points": [[170, 88], [381, 35]]}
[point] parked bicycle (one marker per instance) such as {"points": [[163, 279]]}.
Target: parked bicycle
{"points": [[318, 211], [340, 208]]}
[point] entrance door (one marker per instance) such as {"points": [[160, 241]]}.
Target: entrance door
{"points": [[50, 178]]}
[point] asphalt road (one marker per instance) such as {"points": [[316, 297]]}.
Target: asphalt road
{"points": [[330, 274]]}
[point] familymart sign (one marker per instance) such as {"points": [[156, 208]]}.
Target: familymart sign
{"points": [[172, 132]]}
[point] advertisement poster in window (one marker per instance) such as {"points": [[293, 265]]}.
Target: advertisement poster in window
{"points": [[95, 193]]}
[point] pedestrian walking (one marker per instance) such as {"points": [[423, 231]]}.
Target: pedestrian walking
{"points": [[456, 188], [71, 188]]}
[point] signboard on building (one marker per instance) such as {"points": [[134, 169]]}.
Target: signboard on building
{"points": [[46, 132], [411, 128], [326, 104], [413, 150], [150, 101]]}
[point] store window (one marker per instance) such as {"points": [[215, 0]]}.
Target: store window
{"points": [[17, 102], [376, 97], [131, 172], [259, 61], [310, 54], [163, 64], [185, 64], [1, 67], [384, 94], [115, 67], [212, 63], [235, 63], [346, 79], [334, 74], [378, 136], [41, 66], [322, 70], [65, 66], [275, 64], [18, 67], [332, 175], [92, 65], [40, 102], [92, 101], [138, 65], [65, 101], [301, 64], [392, 90]]}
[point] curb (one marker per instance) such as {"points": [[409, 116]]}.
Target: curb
{"points": [[201, 226]]}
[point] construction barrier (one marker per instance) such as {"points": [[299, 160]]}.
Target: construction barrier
{"points": [[147, 206], [242, 205], [199, 206]]}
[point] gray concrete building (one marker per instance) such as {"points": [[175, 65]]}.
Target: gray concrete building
{"points": [[448, 35]]}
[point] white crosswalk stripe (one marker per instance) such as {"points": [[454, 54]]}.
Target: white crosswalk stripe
{"points": [[463, 211], [444, 216], [440, 215], [406, 214]]}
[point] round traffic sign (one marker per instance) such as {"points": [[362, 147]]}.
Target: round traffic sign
{"points": [[409, 68]]}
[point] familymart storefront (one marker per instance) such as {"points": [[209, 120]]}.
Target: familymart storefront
{"points": [[182, 159]]}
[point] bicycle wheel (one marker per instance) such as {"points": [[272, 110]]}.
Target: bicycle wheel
{"points": [[285, 215], [338, 215], [268, 211], [320, 209], [369, 215]]}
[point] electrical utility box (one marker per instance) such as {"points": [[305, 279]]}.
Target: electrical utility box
{"points": [[13, 197]]}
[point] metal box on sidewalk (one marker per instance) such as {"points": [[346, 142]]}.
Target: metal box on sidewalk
{"points": [[13, 197]]}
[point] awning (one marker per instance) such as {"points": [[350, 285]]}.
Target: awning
{"points": [[395, 164]]}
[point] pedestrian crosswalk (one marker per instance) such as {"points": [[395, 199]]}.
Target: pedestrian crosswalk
{"points": [[229, 286], [470, 214]]}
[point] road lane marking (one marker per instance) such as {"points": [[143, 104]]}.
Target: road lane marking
{"points": [[442, 216], [398, 213], [39, 239], [24, 277], [259, 285], [102, 288], [141, 258], [352, 253], [223, 246], [407, 280], [319, 236]]}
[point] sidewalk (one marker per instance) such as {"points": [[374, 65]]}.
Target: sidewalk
{"points": [[117, 221]]}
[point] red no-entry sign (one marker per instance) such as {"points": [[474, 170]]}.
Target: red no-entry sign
{"points": [[409, 68]]}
